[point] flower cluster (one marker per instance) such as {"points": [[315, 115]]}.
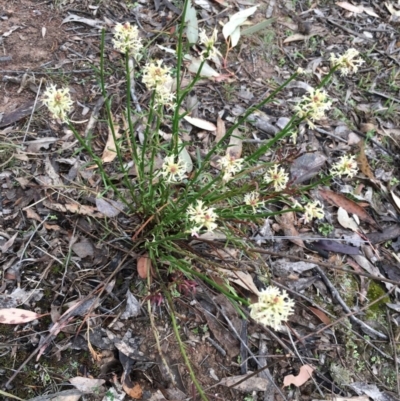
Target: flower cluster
{"points": [[230, 165], [313, 210], [209, 43], [202, 217], [277, 176], [312, 108], [173, 171], [273, 307], [126, 39], [253, 199], [347, 165], [347, 63], [158, 78], [58, 101]]}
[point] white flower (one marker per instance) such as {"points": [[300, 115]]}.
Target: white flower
{"points": [[346, 165], [277, 176], [273, 307], [164, 96], [230, 165], [312, 108], [173, 171], [347, 63], [253, 199], [159, 79], [202, 217], [155, 76], [313, 210], [126, 39], [209, 43], [58, 101]]}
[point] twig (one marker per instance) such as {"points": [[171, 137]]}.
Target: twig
{"points": [[33, 109], [367, 329], [394, 347], [216, 346], [301, 360], [131, 66], [327, 265], [94, 117], [232, 327]]}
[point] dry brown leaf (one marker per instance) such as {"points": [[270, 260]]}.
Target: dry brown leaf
{"points": [[349, 205], [248, 385], [52, 227], [295, 38], [349, 7], [17, 316], [396, 199], [221, 129], [73, 208], [320, 315], [346, 221], [110, 152], [235, 144], [286, 221], [241, 278], [301, 378], [200, 123], [144, 266], [5, 247], [134, 390], [31, 214], [85, 384], [363, 162]]}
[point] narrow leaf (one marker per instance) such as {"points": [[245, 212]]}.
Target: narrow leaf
{"points": [[17, 316]]}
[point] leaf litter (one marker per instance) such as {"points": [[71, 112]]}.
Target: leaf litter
{"points": [[43, 253]]}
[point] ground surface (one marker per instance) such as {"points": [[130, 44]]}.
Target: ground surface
{"points": [[61, 255]]}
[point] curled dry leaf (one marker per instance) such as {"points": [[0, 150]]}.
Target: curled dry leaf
{"points": [[86, 385], [144, 266], [235, 144], [301, 378], [73, 208], [110, 152], [320, 315], [349, 205], [346, 221], [109, 207], [200, 123], [232, 27], [286, 221], [17, 316], [241, 278], [248, 385], [363, 162]]}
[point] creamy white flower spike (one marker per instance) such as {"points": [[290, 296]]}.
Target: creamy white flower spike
{"points": [[126, 39], [58, 101], [173, 171], [347, 63], [313, 210], [230, 166], [347, 165], [158, 78], [202, 216], [209, 43], [253, 199], [312, 108], [273, 307], [277, 176]]}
